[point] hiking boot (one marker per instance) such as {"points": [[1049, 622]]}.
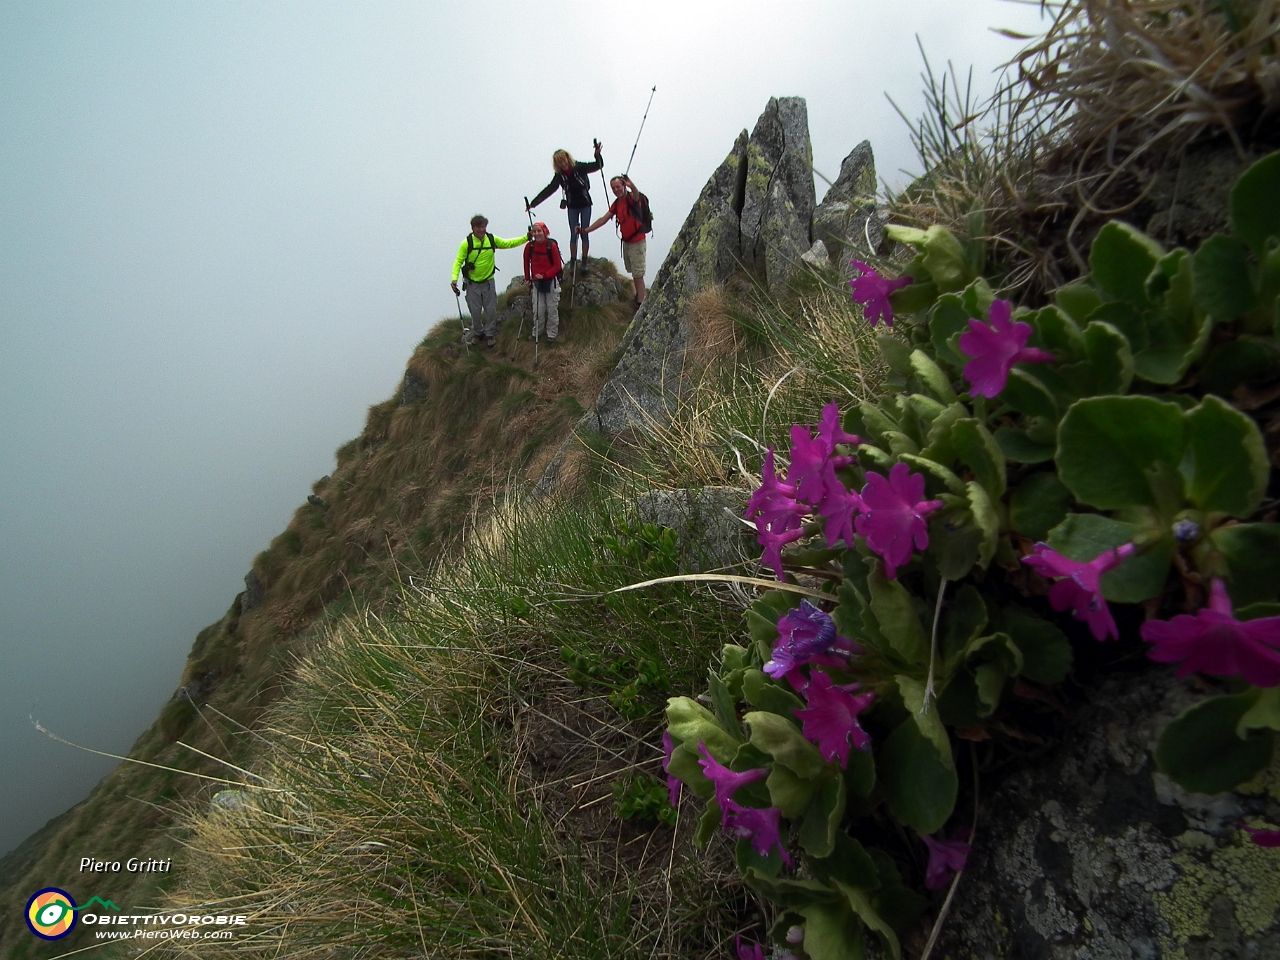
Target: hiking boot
{"points": [[490, 341], [583, 268]]}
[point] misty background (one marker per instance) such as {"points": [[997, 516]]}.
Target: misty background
{"points": [[224, 227]]}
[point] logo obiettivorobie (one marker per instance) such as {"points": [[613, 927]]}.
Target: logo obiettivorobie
{"points": [[51, 913]]}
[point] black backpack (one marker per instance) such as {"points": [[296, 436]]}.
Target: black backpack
{"points": [[467, 263], [639, 205]]}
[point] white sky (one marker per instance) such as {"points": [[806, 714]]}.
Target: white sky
{"points": [[224, 227]]}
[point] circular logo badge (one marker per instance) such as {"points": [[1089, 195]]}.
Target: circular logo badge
{"points": [[51, 913]]}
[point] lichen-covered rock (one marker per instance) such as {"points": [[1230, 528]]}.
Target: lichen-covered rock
{"points": [[846, 220], [413, 389], [254, 591], [709, 533], [1089, 853], [778, 197], [652, 350]]}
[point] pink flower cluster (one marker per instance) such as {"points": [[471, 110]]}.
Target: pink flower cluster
{"points": [[889, 513]]}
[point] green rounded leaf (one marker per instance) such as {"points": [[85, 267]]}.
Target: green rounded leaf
{"points": [[919, 788], [783, 741], [945, 259], [1110, 358], [1122, 257], [1239, 361], [1220, 271], [1020, 448], [1046, 652], [1038, 505], [1252, 552], [1106, 445], [1255, 203], [822, 818], [1201, 752], [897, 617], [978, 450], [1226, 465]]}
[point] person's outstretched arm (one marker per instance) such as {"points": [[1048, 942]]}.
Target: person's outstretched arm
{"points": [[545, 192], [599, 223]]}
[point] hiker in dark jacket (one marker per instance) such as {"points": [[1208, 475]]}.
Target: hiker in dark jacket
{"points": [[542, 269], [574, 178]]}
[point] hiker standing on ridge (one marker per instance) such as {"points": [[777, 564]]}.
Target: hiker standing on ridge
{"points": [[475, 263], [574, 178], [631, 210], [542, 269]]}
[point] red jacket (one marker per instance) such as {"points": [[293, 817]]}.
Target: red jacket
{"points": [[544, 260]]}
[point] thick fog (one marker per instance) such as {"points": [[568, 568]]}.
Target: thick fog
{"points": [[224, 227]]}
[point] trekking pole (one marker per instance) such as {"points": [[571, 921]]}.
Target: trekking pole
{"points": [[529, 287], [627, 172], [574, 292], [466, 342]]}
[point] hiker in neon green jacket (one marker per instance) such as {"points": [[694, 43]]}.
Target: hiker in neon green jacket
{"points": [[475, 263]]}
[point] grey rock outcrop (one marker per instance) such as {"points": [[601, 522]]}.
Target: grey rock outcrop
{"points": [[254, 590], [778, 199], [705, 251], [846, 221], [709, 534], [754, 212], [413, 389], [1091, 853]]}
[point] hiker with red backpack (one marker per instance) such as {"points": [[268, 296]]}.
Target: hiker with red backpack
{"points": [[631, 211], [542, 269], [573, 177], [475, 263]]}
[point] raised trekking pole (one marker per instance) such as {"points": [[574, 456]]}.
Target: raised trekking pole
{"points": [[627, 172]]}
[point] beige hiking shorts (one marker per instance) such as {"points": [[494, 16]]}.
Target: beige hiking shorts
{"points": [[633, 258]]}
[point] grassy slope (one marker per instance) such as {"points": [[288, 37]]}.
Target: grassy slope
{"points": [[401, 494], [437, 782]]}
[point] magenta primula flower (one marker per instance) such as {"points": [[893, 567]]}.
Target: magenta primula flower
{"points": [[872, 291], [893, 516], [840, 507], [773, 544], [673, 782], [995, 348], [773, 504], [747, 951], [813, 465], [1264, 838], [1078, 587], [1215, 642], [758, 826], [725, 780], [945, 858], [831, 718], [807, 635]]}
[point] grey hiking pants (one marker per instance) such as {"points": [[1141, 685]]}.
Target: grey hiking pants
{"points": [[482, 301], [546, 311]]}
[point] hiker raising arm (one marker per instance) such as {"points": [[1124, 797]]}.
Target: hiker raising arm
{"points": [[475, 263], [625, 210], [574, 178]]}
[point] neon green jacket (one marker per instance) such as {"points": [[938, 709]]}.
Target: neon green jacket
{"points": [[481, 255]]}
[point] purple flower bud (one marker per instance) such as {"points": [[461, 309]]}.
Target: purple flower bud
{"points": [[1184, 531]]}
